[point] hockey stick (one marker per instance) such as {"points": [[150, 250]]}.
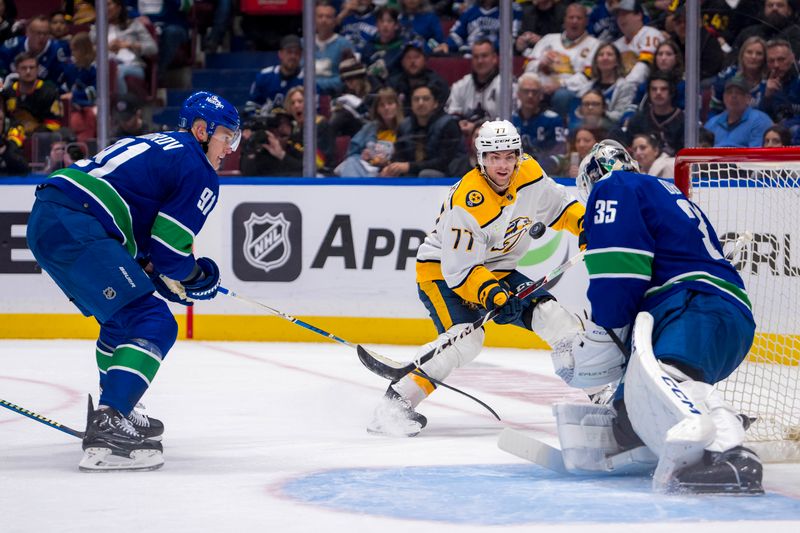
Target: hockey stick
{"points": [[340, 340], [42, 419], [394, 370]]}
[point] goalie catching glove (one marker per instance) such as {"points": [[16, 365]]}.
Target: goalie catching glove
{"points": [[589, 358], [202, 285]]}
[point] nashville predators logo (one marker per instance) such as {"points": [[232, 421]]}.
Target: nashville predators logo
{"points": [[474, 199], [515, 230]]}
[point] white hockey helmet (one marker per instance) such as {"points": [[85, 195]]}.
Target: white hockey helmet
{"points": [[604, 158], [496, 136]]}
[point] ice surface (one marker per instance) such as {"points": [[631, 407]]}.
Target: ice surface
{"points": [[266, 436]]}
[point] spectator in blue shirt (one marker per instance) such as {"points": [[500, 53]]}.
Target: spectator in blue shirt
{"points": [[272, 83], [418, 18], [543, 133], [739, 125], [331, 50]]}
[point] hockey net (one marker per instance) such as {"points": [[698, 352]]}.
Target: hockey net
{"points": [[758, 191]]}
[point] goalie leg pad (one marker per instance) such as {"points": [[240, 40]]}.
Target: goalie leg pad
{"points": [[671, 423], [585, 436], [463, 351]]}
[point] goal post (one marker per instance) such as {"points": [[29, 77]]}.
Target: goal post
{"points": [[758, 191]]}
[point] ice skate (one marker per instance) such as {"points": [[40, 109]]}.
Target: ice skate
{"points": [[151, 428], [112, 443], [394, 417], [736, 471]]}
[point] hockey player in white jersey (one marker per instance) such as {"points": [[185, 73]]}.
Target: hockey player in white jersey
{"points": [[655, 263], [467, 265]]}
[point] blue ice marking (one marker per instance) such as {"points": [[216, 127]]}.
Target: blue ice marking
{"points": [[519, 494]]}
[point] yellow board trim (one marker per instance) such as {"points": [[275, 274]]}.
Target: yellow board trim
{"points": [[411, 331], [764, 349]]}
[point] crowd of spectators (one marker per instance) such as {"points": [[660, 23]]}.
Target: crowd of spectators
{"points": [[614, 70], [389, 106]]}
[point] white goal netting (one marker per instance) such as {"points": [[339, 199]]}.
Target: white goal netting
{"points": [[762, 198]]}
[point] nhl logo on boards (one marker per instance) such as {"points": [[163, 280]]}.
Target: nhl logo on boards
{"points": [[109, 293], [267, 242]]}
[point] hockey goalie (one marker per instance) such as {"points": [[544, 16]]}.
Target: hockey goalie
{"points": [[657, 274]]}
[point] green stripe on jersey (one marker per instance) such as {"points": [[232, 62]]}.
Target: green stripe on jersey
{"points": [[108, 198], [619, 263], [137, 360], [704, 277], [103, 359], [173, 234]]}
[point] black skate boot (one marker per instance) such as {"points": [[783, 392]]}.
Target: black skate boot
{"points": [[735, 471], [112, 443], [151, 428], [395, 417]]}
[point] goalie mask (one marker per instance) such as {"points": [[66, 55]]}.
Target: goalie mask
{"points": [[496, 136], [604, 158]]}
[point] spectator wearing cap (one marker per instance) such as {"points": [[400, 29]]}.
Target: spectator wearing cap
{"points": [[543, 133], [563, 60], [739, 125], [481, 21], [50, 55], [414, 72], [331, 49], [638, 42], [427, 140], [538, 19], [350, 111], [12, 161], [752, 66], [476, 96], [782, 90], [357, 23], [779, 22], [661, 117], [127, 117], [382, 53], [418, 18], [269, 151], [272, 83]]}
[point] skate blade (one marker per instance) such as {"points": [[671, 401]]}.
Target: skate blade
{"points": [[102, 460]]}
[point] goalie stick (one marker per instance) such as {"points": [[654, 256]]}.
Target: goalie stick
{"points": [[394, 370], [41, 419]]}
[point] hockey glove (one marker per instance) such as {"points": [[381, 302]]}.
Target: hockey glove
{"points": [[205, 284], [509, 307], [589, 358], [169, 289]]}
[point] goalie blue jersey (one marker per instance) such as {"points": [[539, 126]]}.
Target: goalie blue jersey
{"points": [[646, 241], [152, 192]]}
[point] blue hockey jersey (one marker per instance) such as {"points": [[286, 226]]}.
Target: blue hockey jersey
{"points": [[646, 241], [269, 90], [152, 192], [51, 59]]}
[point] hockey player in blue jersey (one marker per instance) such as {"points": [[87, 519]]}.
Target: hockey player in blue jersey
{"points": [[112, 229], [655, 263]]}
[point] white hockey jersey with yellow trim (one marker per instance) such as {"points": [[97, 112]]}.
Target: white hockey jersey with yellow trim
{"points": [[480, 236]]}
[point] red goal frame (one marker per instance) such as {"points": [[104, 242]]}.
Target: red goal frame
{"points": [[688, 156]]}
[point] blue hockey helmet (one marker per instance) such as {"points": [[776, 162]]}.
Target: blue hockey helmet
{"points": [[604, 158], [215, 110]]}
